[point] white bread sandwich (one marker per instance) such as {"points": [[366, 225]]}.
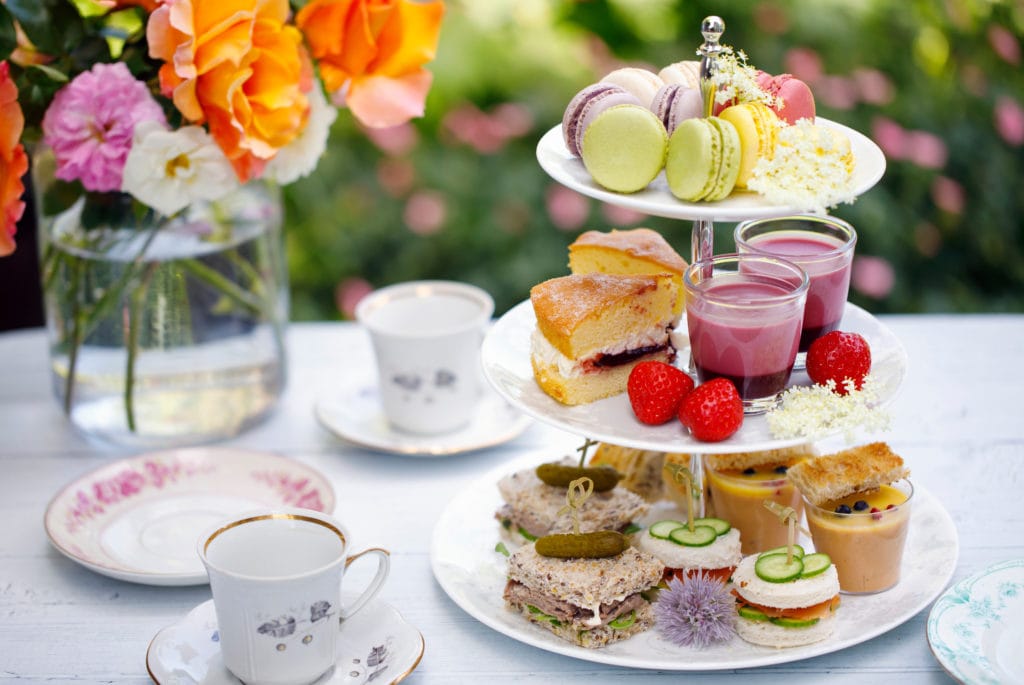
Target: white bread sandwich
{"points": [[636, 251], [786, 600], [588, 602], [711, 547], [532, 507], [592, 329]]}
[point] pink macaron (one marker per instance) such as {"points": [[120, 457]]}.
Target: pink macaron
{"points": [[795, 98], [674, 103], [584, 108]]}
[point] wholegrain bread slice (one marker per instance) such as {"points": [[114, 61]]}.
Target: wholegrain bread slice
{"points": [[858, 469], [738, 461], [640, 469]]}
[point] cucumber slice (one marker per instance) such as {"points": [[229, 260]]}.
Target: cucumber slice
{"points": [[751, 614], [700, 536], [794, 622], [721, 526], [815, 563], [662, 529], [798, 551], [774, 569], [623, 622]]}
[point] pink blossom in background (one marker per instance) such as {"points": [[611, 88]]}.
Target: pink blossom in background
{"points": [[89, 125], [621, 216], [425, 212], [926, 150], [394, 140], [927, 239], [1004, 43], [889, 136], [874, 87], [948, 195], [514, 118], [348, 293], [396, 176], [872, 276], [488, 133], [838, 92], [1009, 120], [566, 208], [804, 63]]}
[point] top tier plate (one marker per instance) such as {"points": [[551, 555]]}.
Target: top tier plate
{"points": [[555, 159]]}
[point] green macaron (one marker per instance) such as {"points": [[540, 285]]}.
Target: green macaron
{"points": [[703, 160], [624, 148]]}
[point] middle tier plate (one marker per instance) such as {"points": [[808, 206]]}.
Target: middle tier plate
{"points": [[506, 362]]}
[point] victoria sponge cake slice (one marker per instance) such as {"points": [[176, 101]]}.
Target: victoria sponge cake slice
{"points": [[635, 251], [592, 329]]}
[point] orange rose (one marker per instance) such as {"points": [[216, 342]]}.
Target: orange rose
{"points": [[13, 161], [371, 54], [236, 66]]}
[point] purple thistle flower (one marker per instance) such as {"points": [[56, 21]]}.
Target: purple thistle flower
{"points": [[697, 611]]}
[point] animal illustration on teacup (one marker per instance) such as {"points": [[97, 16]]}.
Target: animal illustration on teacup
{"points": [[424, 385]]}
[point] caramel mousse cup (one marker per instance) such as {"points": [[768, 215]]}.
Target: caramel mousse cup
{"points": [[739, 497], [866, 546]]}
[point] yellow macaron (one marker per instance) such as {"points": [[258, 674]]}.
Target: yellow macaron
{"points": [[758, 128]]}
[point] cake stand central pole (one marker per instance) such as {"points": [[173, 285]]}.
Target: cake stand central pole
{"points": [[702, 237]]}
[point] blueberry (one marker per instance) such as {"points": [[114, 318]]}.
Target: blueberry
{"points": [[749, 472], [843, 509], [781, 469], [860, 505]]}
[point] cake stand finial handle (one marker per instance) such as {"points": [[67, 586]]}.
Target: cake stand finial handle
{"points": [[712, 29]]}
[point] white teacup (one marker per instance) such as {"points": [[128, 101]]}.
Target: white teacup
{"points": [[276, 581], [426, 336]]}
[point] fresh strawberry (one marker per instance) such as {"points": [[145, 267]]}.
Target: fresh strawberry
{"points": [[655, 391], [839, 356], [713, 411]]}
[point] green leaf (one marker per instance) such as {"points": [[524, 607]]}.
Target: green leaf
{"points": [[55, 75], [35, 18], [8, 40]]}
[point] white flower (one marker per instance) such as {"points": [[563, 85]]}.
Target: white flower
{"points": [[299, 157], [169, 170]]}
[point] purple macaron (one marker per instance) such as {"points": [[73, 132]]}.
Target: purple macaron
{"points": [[675, 103], [584, 108]]}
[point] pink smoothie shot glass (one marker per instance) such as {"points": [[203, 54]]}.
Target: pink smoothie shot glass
{"points": [[744, 314], [823, 247]]}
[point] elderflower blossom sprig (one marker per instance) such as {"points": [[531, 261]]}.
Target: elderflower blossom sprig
{"points": [[736, 80], [812, 169], [817, 411]]}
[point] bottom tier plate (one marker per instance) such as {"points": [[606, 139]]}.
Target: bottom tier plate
{"points": [[473, 575]]}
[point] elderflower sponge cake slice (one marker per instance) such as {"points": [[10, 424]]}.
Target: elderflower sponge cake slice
{"points": [[636, 251], [592, 329]]}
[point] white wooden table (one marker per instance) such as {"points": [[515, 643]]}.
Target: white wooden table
{"points": [[957, 422]]}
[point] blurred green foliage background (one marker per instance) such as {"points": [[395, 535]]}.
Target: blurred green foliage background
{"points": [[459, 195]]}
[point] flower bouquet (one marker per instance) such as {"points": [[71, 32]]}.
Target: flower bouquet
{"points": [[160, 131]]}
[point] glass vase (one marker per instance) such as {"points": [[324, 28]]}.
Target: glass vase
{"points": [[162, 331]]}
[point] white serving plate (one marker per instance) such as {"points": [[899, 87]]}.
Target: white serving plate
{"points": [[473, 575], [506, 362], [657, 200]]}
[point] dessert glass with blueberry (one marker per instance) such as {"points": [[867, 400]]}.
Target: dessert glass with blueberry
{"points": [[865, 534]]}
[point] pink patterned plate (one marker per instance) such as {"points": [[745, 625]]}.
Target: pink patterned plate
{"points": [[138, 519]]}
